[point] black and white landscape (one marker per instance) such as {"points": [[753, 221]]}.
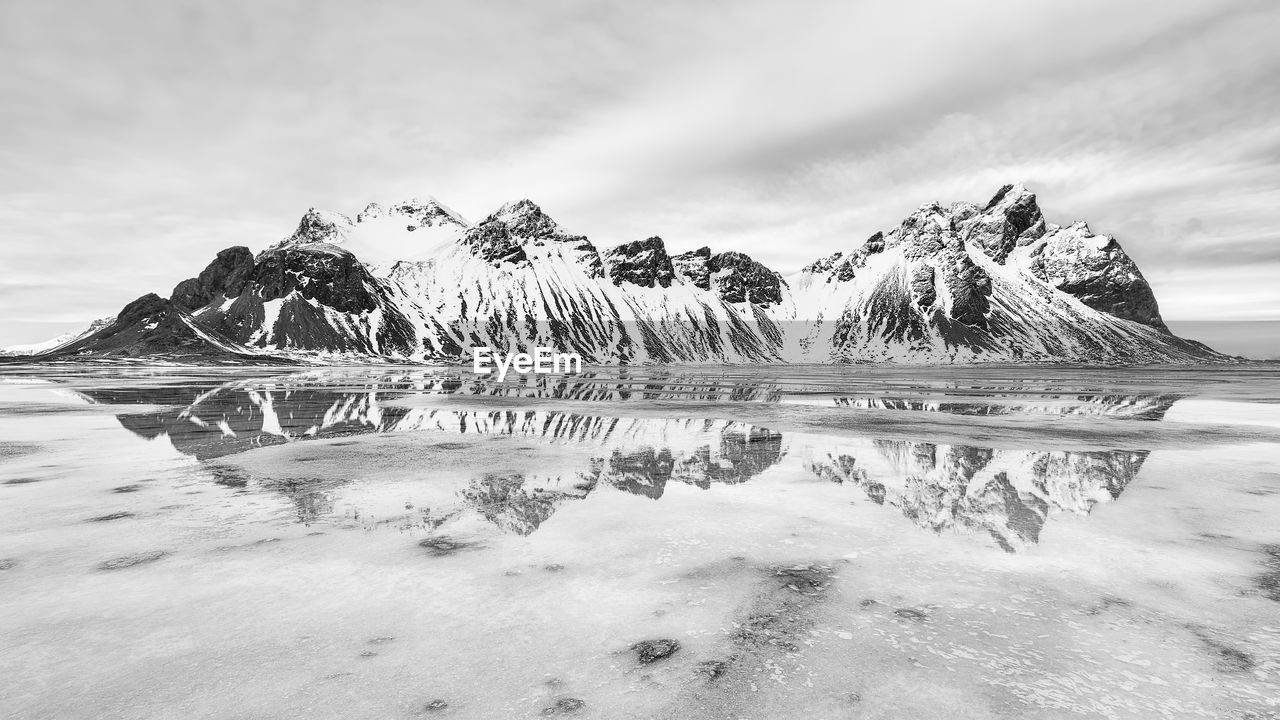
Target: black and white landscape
{"points": [[930, 360]]}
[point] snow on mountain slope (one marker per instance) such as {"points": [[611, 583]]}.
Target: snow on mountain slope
{"points": [[382, 236], [55, 343], [517, 281], [964, 284], [415, 282]]}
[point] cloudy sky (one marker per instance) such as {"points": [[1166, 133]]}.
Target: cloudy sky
{"points": [[139, 138]]}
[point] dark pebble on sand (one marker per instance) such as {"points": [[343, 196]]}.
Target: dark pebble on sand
{"points": [[564, 705], [804, 579], [649, 651], [911, 614], [435, 706], [712, 668]]}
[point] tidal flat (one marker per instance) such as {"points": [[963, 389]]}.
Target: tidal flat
{"points": [[657, 542]]}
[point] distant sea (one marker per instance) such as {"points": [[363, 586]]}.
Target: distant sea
{"points": [[1255, 339]]}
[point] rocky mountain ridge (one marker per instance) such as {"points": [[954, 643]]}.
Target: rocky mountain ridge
{"points": [[415, 282]]}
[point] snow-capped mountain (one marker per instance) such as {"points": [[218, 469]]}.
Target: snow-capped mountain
{"points": [[414, 281]]}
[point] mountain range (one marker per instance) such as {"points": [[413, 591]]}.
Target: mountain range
{"points": [[416, 282]]}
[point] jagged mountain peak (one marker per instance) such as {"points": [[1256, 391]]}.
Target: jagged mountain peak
{"points": [[381, 235], [520, 230], [524, 217], [939, 251], [321, 226], [425, 210], [1011, 194], [735, 276], [640, 262], [1010, 219], [653, 242]]}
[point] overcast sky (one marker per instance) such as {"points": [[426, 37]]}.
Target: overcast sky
{"points": [[138, 139]]}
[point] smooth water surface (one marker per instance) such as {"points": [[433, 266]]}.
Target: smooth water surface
{"points": [[855, 542]]}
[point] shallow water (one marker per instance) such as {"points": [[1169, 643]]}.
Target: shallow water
{"points": [[855, 542]]}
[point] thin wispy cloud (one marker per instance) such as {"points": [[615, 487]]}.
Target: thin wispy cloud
{"points": [[139, 139]]}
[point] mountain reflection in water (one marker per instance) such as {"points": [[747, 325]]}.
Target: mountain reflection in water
{"points": [[1007, 494]]}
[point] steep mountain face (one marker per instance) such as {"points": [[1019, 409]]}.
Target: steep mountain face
{"points": [[414, 281]]}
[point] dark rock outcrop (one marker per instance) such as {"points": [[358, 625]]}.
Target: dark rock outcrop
{"points": [[495, 243], [642, 262], [695, 265], [734, 276], [224, 277], [738, 278], [969, 287], [321, 272], [314, 280]]}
